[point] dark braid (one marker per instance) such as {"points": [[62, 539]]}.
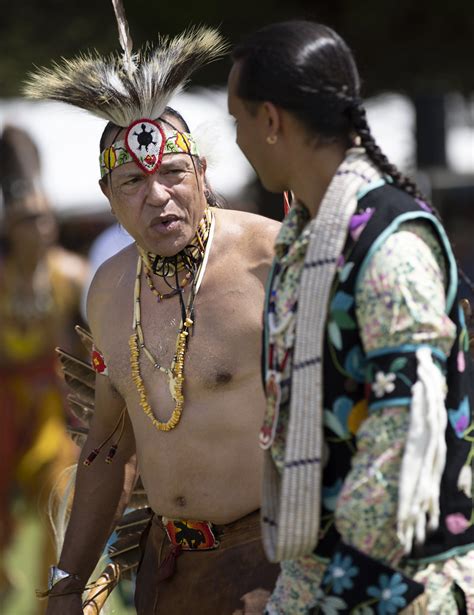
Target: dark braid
{"points": [[308, 69], [358, 116], [359, 121]]}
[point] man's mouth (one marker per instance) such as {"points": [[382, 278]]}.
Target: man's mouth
{"points": [[165, 223]]}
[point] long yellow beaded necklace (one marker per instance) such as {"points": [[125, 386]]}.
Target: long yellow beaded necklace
{"points": [[137, 339]]}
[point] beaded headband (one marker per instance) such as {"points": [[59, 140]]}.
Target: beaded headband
{"points": [[146, 142], [130, 90]]}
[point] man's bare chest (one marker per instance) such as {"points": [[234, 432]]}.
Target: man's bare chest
{"points": [[223, 345]]}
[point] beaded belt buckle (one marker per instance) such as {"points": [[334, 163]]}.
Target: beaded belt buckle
{"points": [[190, 535]]}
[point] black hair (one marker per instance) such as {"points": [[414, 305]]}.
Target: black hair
{"points": [[307, 68], [213, 199]]}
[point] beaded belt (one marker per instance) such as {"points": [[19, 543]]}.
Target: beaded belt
{"points": [[190, 535]]}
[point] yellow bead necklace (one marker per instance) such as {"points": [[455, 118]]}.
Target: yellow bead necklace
{"points": [[175, 374]]}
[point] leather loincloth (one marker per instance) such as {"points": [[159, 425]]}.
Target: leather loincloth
{"points": [[172, 581]]}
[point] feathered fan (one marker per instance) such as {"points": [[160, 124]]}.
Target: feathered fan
{"points": [[125, 88]]}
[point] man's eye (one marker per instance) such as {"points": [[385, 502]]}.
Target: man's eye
{"points": [[132, 180]]}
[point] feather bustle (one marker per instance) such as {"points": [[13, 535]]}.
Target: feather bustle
{"points": [[76, 368], [125, 552], [82, 411], [85, 337]]}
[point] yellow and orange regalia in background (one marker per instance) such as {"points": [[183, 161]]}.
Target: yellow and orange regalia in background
{"points": [[34, 445], [40, 288]]}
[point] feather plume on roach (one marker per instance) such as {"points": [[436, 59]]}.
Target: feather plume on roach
{"points": [[125, 88], [125, 39]]}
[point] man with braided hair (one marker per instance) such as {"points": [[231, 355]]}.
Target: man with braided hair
{"points": [[369, 435], [176, 322]]}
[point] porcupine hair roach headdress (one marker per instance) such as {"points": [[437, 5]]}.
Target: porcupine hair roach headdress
{"points": [[131, 90]]}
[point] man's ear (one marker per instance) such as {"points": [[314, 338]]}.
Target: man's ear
{"points": [[105, 188], [271, 118]]}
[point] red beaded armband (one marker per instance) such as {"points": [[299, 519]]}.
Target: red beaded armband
{"points": [[98, 362]]}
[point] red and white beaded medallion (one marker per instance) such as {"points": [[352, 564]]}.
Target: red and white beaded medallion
{"points": [[145, 141]]}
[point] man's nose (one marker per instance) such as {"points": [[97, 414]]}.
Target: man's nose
{"points": [[158, 195]]}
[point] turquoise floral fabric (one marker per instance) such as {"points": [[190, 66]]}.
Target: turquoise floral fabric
{"points": [[346, 579], [401, 297], [400, 300]]}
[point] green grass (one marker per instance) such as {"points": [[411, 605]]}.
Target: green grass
{"points": [[23, 561]]}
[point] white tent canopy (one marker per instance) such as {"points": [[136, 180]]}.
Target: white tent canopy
{"points": [[68, 140]]}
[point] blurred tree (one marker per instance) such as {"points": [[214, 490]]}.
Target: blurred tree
{"points": [[406, 45], [410, 46]]}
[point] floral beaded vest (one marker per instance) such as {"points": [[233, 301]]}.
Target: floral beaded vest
{"points": [[352, 379]]}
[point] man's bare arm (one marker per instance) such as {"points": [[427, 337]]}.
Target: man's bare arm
{"points": [[102, 490], [101, 493]]}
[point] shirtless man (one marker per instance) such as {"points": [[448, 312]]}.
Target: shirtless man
{"points": [[209, 466]]}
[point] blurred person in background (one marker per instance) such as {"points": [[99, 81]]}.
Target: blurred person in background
{"points": [[369, 435], [40, 286]]}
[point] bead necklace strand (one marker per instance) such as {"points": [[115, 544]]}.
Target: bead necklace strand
{"points": [[160, 296], [137, 343], [205, 230]]}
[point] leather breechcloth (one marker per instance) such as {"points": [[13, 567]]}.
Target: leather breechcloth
{"points": [[171, 581]]}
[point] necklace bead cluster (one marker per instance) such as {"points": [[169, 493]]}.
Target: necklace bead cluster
{"points": [[192, 254], [160, 296]]}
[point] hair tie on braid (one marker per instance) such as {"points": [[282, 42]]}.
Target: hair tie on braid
{"points": [[354, 102], [341, 94]]}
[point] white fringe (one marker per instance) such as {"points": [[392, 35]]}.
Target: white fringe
{"points": [[425, 454]]}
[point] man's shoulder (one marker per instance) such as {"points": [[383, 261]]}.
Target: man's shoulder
{"points": [[246, 220], [248, 228], [123, 259], [109, 278]]}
